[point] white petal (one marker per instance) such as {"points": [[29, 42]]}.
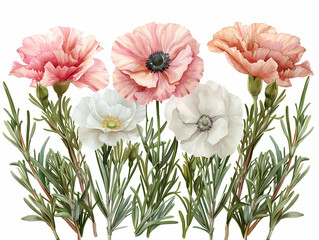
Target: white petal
{"points": [[93, 122], [235, 106], [211, 103], [101, 108], [89, 137], [182, 131], [140, 113], [188, 111], [218, 131], [112, 97], [169, 108], [81, 111], [111, 138], [198, 145]]}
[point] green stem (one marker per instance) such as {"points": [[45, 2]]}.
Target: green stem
{"points": [[255, 98], [60, 109], [56, 235], [109, 235], [158, 131], [269, 235]]}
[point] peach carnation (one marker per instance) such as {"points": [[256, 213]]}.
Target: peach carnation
{"points": [[258, 49], [155, 62]]}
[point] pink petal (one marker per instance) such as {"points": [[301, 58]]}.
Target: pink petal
{"points": [[37, 44], [179, 65], [190, 78], [161, 92], [125, 85], [71, 37], [152, 32], [175, 38], [96, 78], [131, 51], [38, 62], [64, 59], [54, 74], [89, 47], [20, 70], [128, 88], [144, 78]]}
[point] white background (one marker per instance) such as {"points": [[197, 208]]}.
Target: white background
{"points": [[109, 19]]}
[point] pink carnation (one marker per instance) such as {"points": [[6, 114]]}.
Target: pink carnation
{"points": [[155, 62], [62, 56], [261, 51]]}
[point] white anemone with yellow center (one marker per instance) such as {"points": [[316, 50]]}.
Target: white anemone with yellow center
{"points": [[106, 118], [206, 122]]}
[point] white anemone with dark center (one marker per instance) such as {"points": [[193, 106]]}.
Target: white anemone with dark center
{"points": [[206, 122]]}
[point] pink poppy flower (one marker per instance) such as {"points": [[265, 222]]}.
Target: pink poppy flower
{"points": [[260, 50], [61, 56], [155, 62]]}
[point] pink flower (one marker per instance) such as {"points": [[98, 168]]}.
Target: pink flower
{"points": [[62, 56], [155, 62], [260, 50]]}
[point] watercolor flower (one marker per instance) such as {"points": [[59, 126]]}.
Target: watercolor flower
{"points": [[155, 62], [258, 49], [106, 118], [60, 57], [207, 121]]}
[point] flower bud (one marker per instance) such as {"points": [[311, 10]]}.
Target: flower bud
{"points": [[133, 155], [61, 87], [254, 85], [271, 92], [42, 94]]}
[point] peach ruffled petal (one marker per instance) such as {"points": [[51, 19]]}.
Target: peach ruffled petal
{"points": [[239, 36], [284, 43], [300, 70], [95, 78], [190, 78]]}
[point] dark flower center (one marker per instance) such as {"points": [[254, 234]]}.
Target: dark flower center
{"points": [[158, 61], [204, 123]]}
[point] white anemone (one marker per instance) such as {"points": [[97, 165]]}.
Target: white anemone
{"points": [[207, 121], [106, 117]]}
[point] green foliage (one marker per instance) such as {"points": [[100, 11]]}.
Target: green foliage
{"points": [[55, 174], [265, 175], [156, 181], [115, 207]]}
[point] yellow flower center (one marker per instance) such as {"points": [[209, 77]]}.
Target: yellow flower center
{"points": [[112, 123]]}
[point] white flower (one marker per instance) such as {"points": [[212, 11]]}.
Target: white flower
{"points": [[207, 121], [106, 117]]}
